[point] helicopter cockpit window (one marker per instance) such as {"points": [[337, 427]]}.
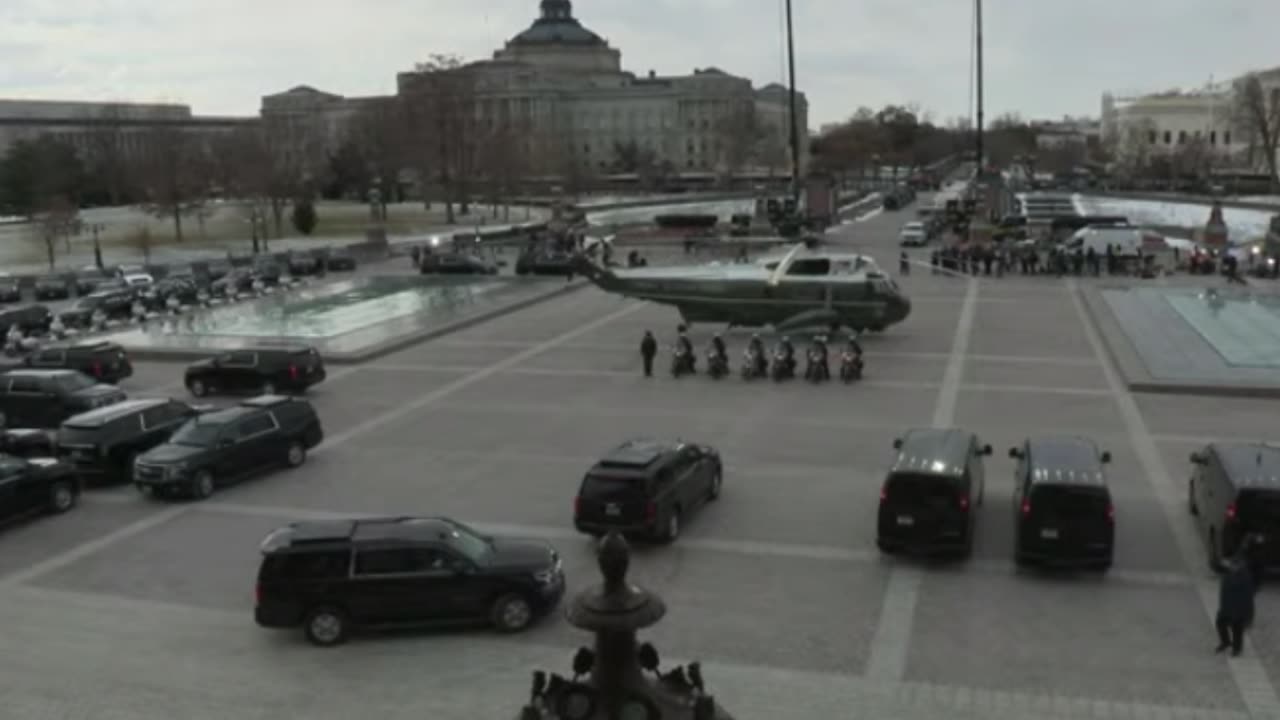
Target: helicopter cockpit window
{"points": [[810, 267], [842, 267]]}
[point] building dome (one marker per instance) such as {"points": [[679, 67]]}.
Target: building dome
{"points": [[557, 26]]}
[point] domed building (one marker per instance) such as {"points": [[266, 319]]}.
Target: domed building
{"points": [[557, 40], [556, 96]]}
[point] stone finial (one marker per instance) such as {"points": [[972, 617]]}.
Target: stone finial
{"points": [[614, 559]]}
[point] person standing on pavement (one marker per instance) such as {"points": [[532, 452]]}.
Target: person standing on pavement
{"points": [[1235, 605], [648, 349]]}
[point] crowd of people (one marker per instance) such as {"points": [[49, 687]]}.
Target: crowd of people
{"points": [[999, 260], [781, 364]]}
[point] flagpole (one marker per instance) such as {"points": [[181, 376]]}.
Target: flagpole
{"points": [[978, 41], [791, 96]]}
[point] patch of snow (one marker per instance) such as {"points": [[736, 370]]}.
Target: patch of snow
{"points": [[1243, 225]]}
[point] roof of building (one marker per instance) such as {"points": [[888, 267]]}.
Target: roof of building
{"points": [[557, 26]]}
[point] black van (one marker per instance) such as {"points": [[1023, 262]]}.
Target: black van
{"points": [[926, 504], [1234, 492], [1063, 515]]}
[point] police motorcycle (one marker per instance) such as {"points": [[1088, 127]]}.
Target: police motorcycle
{"points": [[816, 369], [717, 359], [755, 362], [784, 361], [851, 362], [682, 360]]}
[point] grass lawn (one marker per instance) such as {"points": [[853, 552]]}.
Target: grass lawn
{"points": [[226, 226]]}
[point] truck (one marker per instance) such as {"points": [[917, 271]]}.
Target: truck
{"points": [[1125, 241], [821, 203]]}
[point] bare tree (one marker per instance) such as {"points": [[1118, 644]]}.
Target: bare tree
{"points": [[171, 171], [273, 165], [380, 133], [57, 219], [140, 240], [108, 153], [1257, 114], [503, 160], [1133, 147], [738, 137], [440, 100]]}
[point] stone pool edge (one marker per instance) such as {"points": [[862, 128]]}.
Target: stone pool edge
{"points": [[386, 347], [1133, 370]]}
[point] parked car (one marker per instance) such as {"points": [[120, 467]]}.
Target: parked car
{"points": [[101, 360], [267, 270], [217, 269], [30, 486], [222, 447], [647, 487], [30, 319], [928, 498], [102, 444], [44, 398], [52, 287], [1063, 515], [1234, 492], [539, 262], [235, 282], [330, 578], [268, 370], [89, 280], [300, 264], [455, 264], [27, 443], [340, 259], [913, 234], [10, 290], [109, 304]]}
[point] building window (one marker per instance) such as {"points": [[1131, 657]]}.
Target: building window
{"points": [[1226, 138], [586, 148], [1168, 137], [1182, 136], [1213, 137], [1152, 137]]}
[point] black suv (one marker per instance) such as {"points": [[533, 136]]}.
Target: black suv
{"points": [[29, 486], [1234, 492], [300, 264], [928, 499], [257, 370], [29, 319], [103, 443], [44, 398], [225, 446], [52, 287], [1062, 508], [103, 361], [27, 443], [111, 304], [88, 280], [647, 487], [10, 290], [331, 577], [340, 259]]}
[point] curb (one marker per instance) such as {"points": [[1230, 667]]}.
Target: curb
{"points": [[1128, 361]]}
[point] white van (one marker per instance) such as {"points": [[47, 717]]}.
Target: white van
{"points": [[1125, 241]]}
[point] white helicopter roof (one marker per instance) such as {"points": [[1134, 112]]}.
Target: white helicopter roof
{"points": [[846, 265]]}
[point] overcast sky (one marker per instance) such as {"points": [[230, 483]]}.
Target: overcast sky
{"points": [[1045, 58]]}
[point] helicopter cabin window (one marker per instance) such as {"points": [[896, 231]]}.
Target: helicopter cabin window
{"points": [[810, 267]]}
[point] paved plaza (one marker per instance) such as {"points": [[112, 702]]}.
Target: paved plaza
{"points": [[125, 609]]}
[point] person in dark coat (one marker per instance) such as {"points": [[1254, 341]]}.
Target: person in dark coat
{"points": [[648, 349], [1235, 605]]}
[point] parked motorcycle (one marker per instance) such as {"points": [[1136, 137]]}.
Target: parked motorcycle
{"points": [[783, 368], [717, 364], [754, 365], [816, 370], [681, 362], [850, 367]]}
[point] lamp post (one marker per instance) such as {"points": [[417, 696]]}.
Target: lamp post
{"points": [[619, 679], [97, 228]]}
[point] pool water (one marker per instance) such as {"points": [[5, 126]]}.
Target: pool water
{"points": [[1244, 330], [340, 308]]}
